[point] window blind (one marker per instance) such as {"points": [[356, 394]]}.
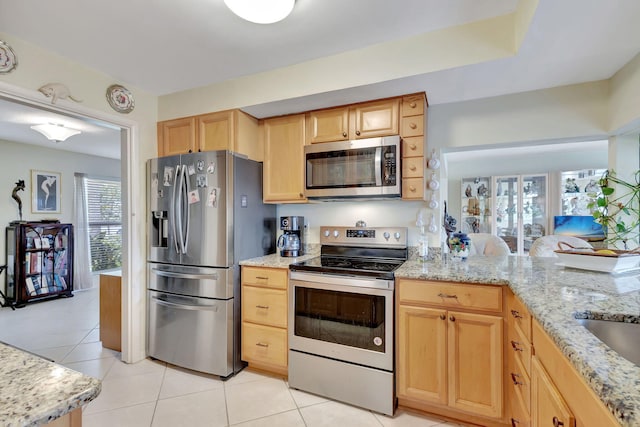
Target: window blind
{"points": [[104, 205]]}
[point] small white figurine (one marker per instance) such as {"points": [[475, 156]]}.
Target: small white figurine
{"points": [[57, 91]]}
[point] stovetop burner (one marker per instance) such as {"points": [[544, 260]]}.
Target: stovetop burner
{"points": [[381, 268]]}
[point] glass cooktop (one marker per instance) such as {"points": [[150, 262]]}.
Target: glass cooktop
{"points": [[375, 267]]}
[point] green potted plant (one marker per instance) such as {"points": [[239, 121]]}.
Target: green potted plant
{"points": [[617, 208]]}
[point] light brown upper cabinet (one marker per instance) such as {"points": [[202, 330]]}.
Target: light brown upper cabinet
{"points": [[366, 120], [232, 130], [284, 159]]}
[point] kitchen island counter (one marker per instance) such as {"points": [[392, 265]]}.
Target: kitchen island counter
{"points": [[556, 296], [34, 391], [277, 261]]}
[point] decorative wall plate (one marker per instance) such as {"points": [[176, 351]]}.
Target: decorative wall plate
{"points": [[120, 99], [8, 61]]}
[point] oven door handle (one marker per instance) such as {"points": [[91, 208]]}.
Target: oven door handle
{"points": [[339, 283]]}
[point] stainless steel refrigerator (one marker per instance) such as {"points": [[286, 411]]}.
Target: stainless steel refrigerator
{"points": [[205, 214]]}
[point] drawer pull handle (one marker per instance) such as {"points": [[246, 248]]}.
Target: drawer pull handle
{"points": [[516, 314], [514, 422], [515, 346], [442, 317], [262, 278], [514, 378], [265, 307], [557, 422], [413, 125], [454, 296], [261, 344], [452, 318]]}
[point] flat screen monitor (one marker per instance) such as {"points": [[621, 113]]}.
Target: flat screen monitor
{"points": [[578, 225]]}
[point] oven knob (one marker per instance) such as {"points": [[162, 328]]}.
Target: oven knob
{"points": [[386, 235], [336, 233], [327, 233], [397, 235]]}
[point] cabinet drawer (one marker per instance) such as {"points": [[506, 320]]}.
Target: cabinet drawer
{"points": [[264, 344], [518, 347], [265, 277], [264, 306], [517, 414], [413, 146], [412, 126], [451, 295], [519, 382], [412, 167], [518, 315], [413, 188], [412, 105]]}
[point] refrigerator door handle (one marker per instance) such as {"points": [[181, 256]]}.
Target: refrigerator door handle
{"points": [[184, 275], [180, 200], [185, 244], [184, 306], [174, 212]]}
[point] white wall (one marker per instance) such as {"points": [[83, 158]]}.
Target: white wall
{"points": [[17, 161]]}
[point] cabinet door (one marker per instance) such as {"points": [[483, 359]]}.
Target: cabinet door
{"points": [[215, 131], [548, 408], [475, 363], [328, 125], [421, 367], [284, 159], [375, 119], [176, 136]]}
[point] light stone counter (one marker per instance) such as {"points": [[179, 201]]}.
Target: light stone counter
{"points": [[34, 391], [277, 261], [555, 296]]}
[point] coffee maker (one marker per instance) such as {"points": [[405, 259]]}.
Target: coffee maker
{"points": [[291, 242]]}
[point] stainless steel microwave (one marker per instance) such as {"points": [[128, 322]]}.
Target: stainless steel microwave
{"points": [[358, 168]]}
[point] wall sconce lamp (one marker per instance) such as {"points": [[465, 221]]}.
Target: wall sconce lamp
{"points": [[261, 11], [55, 133]]}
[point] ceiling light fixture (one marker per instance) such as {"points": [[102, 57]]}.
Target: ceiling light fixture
{"points": [[261, 11], [56, 133]]}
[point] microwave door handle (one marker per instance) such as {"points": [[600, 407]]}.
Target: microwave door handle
{"points": [[378, 163], [174, 211]]}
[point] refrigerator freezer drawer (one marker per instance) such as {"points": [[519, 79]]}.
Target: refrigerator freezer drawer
{"points": [[194, 333], [203, 282]]}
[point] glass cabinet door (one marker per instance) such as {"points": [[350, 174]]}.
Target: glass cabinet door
{"points": [[535, 212], [507, 210], [476, 215]]}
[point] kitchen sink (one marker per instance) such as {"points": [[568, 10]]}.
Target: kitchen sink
{"points": [[622, 337]]}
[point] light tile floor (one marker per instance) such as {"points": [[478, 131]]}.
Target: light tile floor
{"points": [[152, 393]]}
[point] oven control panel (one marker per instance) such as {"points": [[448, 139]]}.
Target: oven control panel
{"points": [[389, 237]]}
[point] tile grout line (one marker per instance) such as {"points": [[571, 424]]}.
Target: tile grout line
{"points": [[155, 405]]}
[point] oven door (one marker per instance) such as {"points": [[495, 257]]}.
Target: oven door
{"points": [[365, 167], [342, 317]]}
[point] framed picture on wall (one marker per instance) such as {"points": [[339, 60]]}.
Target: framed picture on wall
{"points": [[45, 191]]}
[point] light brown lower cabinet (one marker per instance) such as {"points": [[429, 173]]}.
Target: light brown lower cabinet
{"points": [[549, 408], [450, 361]]}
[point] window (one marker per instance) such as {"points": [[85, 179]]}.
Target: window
{"points": [[105, 223]]}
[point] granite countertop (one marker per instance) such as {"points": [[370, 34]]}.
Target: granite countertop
{"points": [[34, 391], [277, 261], [555, 296]]}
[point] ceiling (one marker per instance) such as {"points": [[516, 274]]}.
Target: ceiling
{"points": [[165, 46]]}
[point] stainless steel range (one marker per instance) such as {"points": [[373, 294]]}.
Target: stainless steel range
{"points": [[341, 340]]}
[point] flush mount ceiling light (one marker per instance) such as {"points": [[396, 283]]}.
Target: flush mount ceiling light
{"points": [[261, 11], [55, 132]]}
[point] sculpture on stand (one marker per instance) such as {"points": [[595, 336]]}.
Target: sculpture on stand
{"points": [[449, 225], [14, 194]]}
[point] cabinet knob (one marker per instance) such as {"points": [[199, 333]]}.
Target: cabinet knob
{"points": [[442, 317], [344, 134], [412, 104], [452, 318], [516, 314], [412, 167], [190, 150], [301, 195], [413, 125], [358, 132], [412, 147], [557, 422], [412, 188]]}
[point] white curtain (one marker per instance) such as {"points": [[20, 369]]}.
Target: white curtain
{"points": [[82, 253]]}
